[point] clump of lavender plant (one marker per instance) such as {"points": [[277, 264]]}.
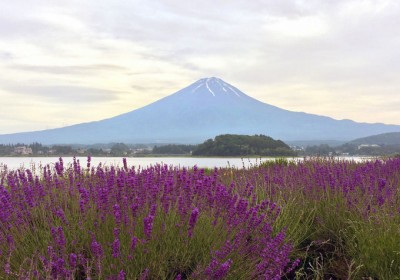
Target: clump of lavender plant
{"points": [[169, 222]]}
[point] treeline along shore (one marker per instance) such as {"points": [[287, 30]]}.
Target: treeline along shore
{"points": [[222, 145], [227, 145]]}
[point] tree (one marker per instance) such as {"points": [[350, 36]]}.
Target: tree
{"points": [[119, 149], [243, 145]]}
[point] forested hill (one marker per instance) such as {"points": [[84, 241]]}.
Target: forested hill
{"points": [[392, 138], [243, 145]]}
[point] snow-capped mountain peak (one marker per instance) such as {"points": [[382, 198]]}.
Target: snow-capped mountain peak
{"points": [[215, 86]]}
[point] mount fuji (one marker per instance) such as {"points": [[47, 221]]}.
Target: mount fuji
{"points": [[203, 110]]}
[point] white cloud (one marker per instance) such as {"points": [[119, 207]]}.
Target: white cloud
{"points": [[297, 28]]}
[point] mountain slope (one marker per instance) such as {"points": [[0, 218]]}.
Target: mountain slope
{"points": [[392, 138], [202, 110]]}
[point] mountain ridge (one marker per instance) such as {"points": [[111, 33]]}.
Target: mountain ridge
{"points": [[202, 110]]}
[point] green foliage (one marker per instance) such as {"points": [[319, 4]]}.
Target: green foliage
{"points": [[243, 145], [119, 149], [62, 150], [173, 149], [321, 150], [376, 246], [277, 161]]}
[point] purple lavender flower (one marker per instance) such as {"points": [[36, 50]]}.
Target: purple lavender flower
{"points": [[134, 242], [134, 209], [125, 164], [116, 248], [116, 232], [117, 213], [61, 241], [97, 251], [73, 260], [293, 266], [5, 205], [144, 274], [89, 158], [61, 215], [10, 241], [121, 275], [148, 226], [211, 267], [222, 271], [59, 166], [50, 251], [60, 267], [7, 268], [192, 221]]}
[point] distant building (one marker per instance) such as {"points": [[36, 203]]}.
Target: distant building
{"points": [[140, 151], [368, 146], [297, 148], [107, 151], [23, 150], [81, 151]]}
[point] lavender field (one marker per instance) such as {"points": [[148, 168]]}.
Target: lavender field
{"points": [[314, 219]]}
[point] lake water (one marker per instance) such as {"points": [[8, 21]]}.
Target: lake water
{"points": [[17, 162]]}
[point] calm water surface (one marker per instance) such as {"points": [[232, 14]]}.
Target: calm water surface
{"points": [[27, 162]]}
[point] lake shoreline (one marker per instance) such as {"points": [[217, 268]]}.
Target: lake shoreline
{"points": [[202, 162]]}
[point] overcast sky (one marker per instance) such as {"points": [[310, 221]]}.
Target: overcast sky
{"points": [[67, 62]]}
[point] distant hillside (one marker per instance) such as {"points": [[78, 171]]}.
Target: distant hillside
{"points": [[392, 138], [243, 145]]}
